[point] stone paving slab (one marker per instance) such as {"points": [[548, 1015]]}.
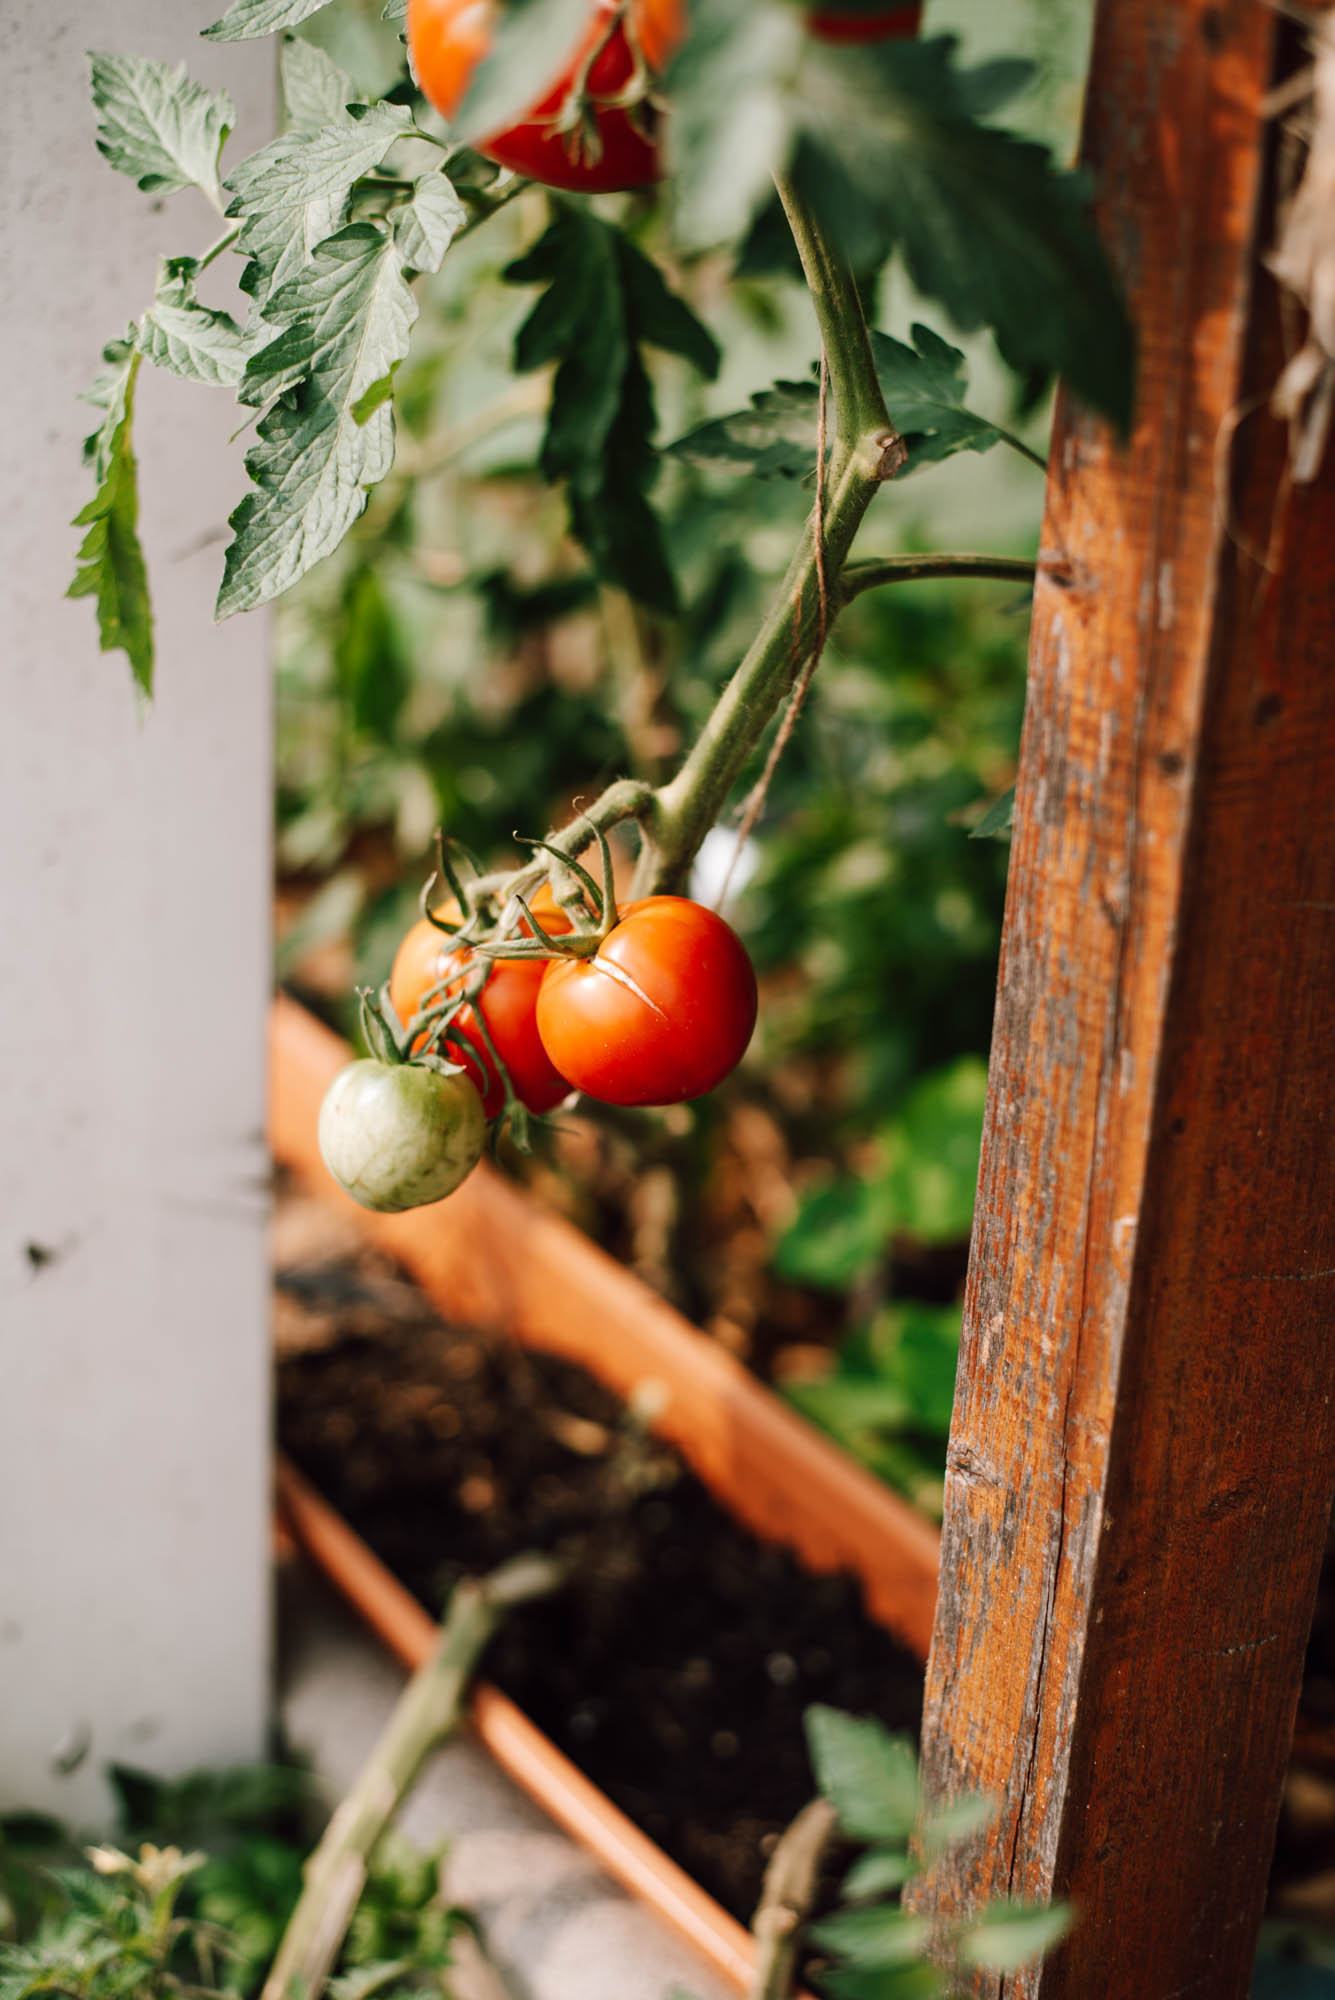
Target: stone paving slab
{"points": [[557, 1927]]}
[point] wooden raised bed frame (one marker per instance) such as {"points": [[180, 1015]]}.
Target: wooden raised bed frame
{"points": [[490, 1256]]}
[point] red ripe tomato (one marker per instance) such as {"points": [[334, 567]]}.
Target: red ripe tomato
{"points": [[661, 1013], [507, 1005], [887, 24], [448, 38]]}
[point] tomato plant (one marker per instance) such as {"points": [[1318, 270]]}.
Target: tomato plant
{"points": [[661, 1013], [828, 140], [428, 962], [399, 1135], [594, 129]]}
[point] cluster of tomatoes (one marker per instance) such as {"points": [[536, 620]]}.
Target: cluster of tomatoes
{"points": [[656, 1008], [596, 127]]}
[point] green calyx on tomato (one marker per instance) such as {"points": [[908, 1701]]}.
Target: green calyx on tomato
{"points": [[595, 128], [661, 1012], [490, 1002], [398, 1135]]}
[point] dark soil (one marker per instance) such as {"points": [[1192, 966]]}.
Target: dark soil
{"points": [[675, 1667]]}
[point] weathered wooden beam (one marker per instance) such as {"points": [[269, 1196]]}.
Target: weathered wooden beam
{"points": [[1143, 1448]]}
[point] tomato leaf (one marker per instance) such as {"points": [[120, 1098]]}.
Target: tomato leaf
{"points": [[886, 142], [985, 221], [248, 18], [345, 321], [157, 126], [924, 385], [869, 1776], [602, 299], [425, 227], [179, 334], [293, 193], [316, 91], [111, 561]]}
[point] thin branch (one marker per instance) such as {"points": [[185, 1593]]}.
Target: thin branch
{"points": [[791, 1881], [910, 569], [429, 1708]]}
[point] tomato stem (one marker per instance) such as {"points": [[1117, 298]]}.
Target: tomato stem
{"points": [[862, 576], [867, 450]]}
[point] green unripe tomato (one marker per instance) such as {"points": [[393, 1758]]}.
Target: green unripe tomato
{"points": [[399, 1135]]}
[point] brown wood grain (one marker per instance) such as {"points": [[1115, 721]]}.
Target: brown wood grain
{"points": [[1143, 1448]]}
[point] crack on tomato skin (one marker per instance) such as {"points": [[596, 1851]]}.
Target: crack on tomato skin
{"points": [[632, 985]]}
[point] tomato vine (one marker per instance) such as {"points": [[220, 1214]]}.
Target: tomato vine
{"points": [[810, 141]]}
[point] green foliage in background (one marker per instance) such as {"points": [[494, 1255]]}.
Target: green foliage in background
{"points": [[197, 1897]]}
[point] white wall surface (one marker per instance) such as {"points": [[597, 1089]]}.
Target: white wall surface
{"points": [[134, 968]]}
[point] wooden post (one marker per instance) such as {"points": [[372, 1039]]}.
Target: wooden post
{"points": [[1143, 1446]]}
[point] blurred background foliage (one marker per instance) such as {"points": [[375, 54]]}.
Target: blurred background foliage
{"points": [[456, 664]]}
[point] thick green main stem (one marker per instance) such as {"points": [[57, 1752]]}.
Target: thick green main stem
{"points": [[867, 451]]}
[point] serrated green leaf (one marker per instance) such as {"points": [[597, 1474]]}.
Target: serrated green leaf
{"points": [[924, 389], [110, 560], [316, 91], [394, 10], [985, 221], [292, 194], [602, 299], [346, 319], [869, 1776], [179, 334], [157, 126], [1009, 1935], [878, 1872], [426, 226], [885, 142], [533, 41], [774, 439], [883, 1936], [248, 18]]}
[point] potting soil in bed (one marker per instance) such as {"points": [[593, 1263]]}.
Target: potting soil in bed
{"points": [[675, 1666]]}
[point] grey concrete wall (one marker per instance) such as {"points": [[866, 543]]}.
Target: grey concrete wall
{"points": [[134, 968]]}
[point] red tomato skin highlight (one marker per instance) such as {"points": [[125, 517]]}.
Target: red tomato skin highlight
{"points": [[507, 1004], [448, 38], [837, 24], [663, 1012]]}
